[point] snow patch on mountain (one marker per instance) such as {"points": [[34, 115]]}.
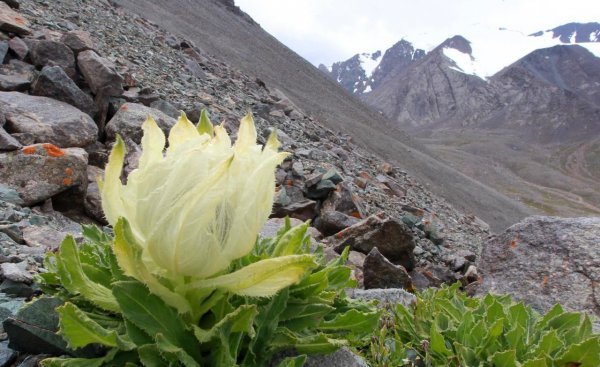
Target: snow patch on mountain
{"points": [[369, 62], [463, 61]]}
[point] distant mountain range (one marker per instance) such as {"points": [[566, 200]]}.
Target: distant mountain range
{"points": [[534, 98]]}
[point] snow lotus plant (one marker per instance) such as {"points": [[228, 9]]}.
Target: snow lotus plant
{"points": [[184, 281]]}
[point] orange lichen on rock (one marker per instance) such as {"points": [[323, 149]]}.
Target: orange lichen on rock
{"points": [[30, 149], [53, 151], [513, 243], [545, 282], [356, 214], [69, 171], [67, 181]]}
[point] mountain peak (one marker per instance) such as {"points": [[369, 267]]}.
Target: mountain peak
{"points": [[458, 43]]}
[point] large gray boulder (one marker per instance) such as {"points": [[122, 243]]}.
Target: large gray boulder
{"points": [[100, 74], [53, 82], [48, 120], [546, 260]]}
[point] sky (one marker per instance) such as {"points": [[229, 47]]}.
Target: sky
{"points": [[326, 31]]}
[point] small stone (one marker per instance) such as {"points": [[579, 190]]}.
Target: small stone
{"points": [[321, 190], [391, 296], [167, 108], [16, 272], [53, 82], [78, 41], [15, 289], [333, 176], [53, 53], [19, 47], [379, 272], [129, 119], [343, 357], [93, 201], [392, 238], [12, 21], [7, 142], [330, 222], [3, 51], [7, 355], [100, 74]]}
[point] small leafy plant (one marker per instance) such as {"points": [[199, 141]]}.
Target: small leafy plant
{"points": [[448, 328], [183, 280]]}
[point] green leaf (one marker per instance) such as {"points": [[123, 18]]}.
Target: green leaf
{"points": [[538, 362], [356, 321], [204, 125], [265, 324], [516, 339], [299, 317], [80, 362], [73, 278], [150, 313], [291, 241], [585, 354], [79, 330], [180, 355], [507, 358], [309, 344], [548, 344], [437, 342], [237, 321], [150, 356]]}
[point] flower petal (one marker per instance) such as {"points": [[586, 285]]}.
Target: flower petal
{"points": [[111, 192], [263, 278], [204, 125], [181, 132], [246, 136]]}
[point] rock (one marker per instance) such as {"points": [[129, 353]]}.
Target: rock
{"points": [[50, 121], [330, 222], [390, 186], [53, 82], [3, 51], [546, 260], [19, 47], [7, 142], [7, 355], [53, 53], [11, 21], [16, 77], [390, 296], [16, 272], [38, 172], [302, 210], [33, 330], [78, 41], [343, 200], [320, 190], [167, 108], [129, 119], [332, 175], [378, 272], [343, 357], [392, 238], [44, 237], [437, 275], [15, 5], [15, 289], [386, 168], [93, 202], [100, 74]]}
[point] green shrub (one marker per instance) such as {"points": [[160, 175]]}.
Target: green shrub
{"points": [[448, 328]]}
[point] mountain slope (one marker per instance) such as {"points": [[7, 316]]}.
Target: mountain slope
{"points": [[217, 29]]}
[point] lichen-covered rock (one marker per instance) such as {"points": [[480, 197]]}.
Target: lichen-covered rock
{"points": [[48, 120], [38, 172], [546, 260]]}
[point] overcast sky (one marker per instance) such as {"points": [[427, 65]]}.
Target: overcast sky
{"points": [[325, 31]]}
